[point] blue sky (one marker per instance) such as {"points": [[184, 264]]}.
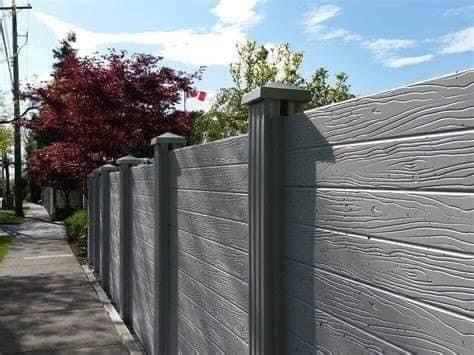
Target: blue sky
{"points": [[380, 43]]}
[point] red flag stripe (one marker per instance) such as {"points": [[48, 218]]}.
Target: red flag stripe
{"points": [[198, 94]]}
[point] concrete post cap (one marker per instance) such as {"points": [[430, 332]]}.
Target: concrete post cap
{"points": [[130, 160], [108, 167], [168, 138], [277, 91]]}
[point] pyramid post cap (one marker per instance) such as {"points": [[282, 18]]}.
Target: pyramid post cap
{"points": [[108, 167], [168, 138]]}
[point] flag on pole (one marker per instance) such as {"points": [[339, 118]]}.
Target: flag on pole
{"points": [[197, 94]]}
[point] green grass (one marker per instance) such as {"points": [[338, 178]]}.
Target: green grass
{"points": [[8, 217], [5, 241]]}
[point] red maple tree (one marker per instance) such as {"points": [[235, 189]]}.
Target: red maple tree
{"points": [[99, 108]]}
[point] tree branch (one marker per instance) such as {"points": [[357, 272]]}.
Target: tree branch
{"points": [[22, 115], [29, 109]]}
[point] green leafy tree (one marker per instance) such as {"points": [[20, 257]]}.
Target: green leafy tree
{"points": [[33, 190], [6, 139], [323, 93], [6, 136], [257, 66]]}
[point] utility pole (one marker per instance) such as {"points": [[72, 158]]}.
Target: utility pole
{"points": [[16, 109], [6, 165]]}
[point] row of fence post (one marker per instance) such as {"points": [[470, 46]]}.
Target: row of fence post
{"points": [[267, 106]]}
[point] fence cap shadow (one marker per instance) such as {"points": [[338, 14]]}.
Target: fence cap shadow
{"points": [[277, 91], [168, 138]]}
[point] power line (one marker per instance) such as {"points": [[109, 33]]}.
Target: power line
{"points": [[7, 56], [5, 29], [26, 55]]}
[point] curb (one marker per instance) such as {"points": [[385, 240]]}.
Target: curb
{"points": [[126, 337]]}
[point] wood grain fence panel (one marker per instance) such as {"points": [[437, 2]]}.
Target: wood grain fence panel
{"points": [[212, 329], [208, 213], [221, 230], [312, 331], [439, 105], [230, 260], [379, 209], [142, 253], [226, 285], [443, 221], [218, 306], [216, 204], [438, 162], [223, 152], [114, 239], [423, 273], [410, 325], [217, 178]]}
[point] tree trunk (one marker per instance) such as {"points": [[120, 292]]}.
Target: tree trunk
{"points": [[8, 199], [67, 197]]}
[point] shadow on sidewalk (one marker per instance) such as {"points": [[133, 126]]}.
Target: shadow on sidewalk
{"points": [[51, 311]]}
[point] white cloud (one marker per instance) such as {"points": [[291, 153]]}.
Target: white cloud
{"points": [[336, 33], [383, 47], [463, 10], [320, 14], [313, 24], [215, 46], [401, 62], [386, 51], [458, 42], [240, 13]]}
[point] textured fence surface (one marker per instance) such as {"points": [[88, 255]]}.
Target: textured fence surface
{"points": [[54, 200], [209, 247], [356, 235], [380, 222], [141, 248], [114, 238]]}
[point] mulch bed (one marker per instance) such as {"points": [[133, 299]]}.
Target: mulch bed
{"points": [[81, 256]]}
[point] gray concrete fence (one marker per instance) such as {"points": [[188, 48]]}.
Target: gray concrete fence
{"points": [[346, 229], [53, 200]]}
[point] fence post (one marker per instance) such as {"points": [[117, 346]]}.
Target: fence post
{"points": [[125, 164], [97, 224], [267, 105], [105, 173], [161, 146], [91, 220], [54, 202]]}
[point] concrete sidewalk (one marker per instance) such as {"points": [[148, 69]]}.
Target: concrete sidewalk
{"points": [[47, 304]]}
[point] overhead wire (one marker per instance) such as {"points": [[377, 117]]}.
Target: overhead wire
{"points": [[5, 48], [6, 42], [27, 51]]}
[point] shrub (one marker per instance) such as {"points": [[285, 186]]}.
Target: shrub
{"points": [[8, 217], [61, 214], [5, 241], [76, 224]]}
